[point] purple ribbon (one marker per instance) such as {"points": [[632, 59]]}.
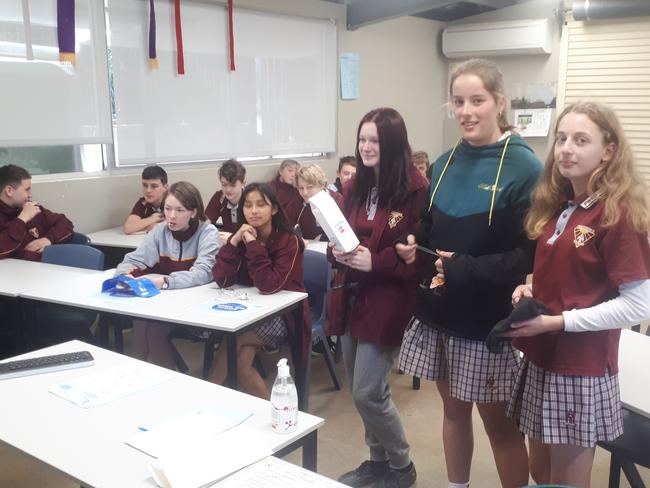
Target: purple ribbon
{"points": [[152, 31], [65, 29]]}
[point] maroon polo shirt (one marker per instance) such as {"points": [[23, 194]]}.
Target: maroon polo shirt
{"points": [[579, 264], [143, 209], [219, 206]]}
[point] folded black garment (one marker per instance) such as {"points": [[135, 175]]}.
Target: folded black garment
{"points": [[526, 308]]}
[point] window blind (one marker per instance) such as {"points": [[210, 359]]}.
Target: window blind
{"points": [[609, 61]]}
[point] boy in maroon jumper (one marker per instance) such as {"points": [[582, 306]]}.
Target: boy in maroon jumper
{"points": [[224, 203], [147, 211], [284, 187], [26, 228]]}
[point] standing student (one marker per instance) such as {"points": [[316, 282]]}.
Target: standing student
{"points": [[182, 249], [421, 162], [224, 204], [284, 187], [590, 217], [26, 227], [265, 252], [374, 291], [147, 211], [311, 180], [347, 169], [479, 196]]}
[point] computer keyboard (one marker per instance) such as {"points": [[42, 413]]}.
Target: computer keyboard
{"points": [[45, 364]]}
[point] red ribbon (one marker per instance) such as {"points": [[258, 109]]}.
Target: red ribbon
{"points": [[231, 37], [179, 38]]}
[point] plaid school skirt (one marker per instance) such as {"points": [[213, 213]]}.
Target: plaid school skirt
{"points": [[273, 333], [474, 374], [562, 409]]}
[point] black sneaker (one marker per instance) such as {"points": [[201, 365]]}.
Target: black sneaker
{"points": [[368, 472], [398, 478]]}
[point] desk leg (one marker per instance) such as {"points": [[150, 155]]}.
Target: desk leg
{"points": [[309, 444], [310, 451], [231, 377], [298, 355]]}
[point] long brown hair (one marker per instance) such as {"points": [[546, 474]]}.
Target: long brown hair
{"points": [[617, 178], [492, 79]]}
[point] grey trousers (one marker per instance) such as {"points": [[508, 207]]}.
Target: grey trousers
{"points": [[368, 366]]}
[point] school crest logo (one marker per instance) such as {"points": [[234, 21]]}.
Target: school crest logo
{"points": [[581, 234], [394, 218], [34, 232]]}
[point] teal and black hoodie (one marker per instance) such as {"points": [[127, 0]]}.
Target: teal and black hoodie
{"points": [[484, 228]]}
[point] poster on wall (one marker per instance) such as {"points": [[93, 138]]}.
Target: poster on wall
{"points": [[533, 122]]}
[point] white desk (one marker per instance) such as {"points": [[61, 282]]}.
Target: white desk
{"points": [[177, 307], [634, 371], [18, 275], [88, 444], [116, 237]]}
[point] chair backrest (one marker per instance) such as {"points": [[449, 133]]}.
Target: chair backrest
{"points": [[77, 255], [317, 274], [79, 238]]}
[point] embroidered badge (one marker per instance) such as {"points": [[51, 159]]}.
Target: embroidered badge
{"points": [[581, 234], [394, 218], [570, 417], [34, 232]]}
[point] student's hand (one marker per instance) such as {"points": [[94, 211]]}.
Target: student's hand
{"points": [[224, 236], [157, 281], [239, 235], [539, 325], [249, 235], [360, 258], [29, 211], [439, 267], [520, 292], [38, 245], [306, 242], [407, 251]]}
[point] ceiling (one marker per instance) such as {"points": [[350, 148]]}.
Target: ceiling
{"points": [[364, 12]]}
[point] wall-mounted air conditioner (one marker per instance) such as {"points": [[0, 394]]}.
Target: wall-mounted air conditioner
{"points": [[497, 38]]}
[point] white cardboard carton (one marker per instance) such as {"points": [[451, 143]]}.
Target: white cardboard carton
{"points": [[331, 220]]}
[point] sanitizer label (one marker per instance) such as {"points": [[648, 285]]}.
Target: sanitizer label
{"points": [[284, 419]]}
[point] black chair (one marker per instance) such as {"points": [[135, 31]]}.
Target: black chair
{"points": [[57, 323], [632, 448], [317, 276]]}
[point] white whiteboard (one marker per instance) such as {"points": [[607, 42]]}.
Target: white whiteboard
{"points": [[281, 99], [43, 102]]}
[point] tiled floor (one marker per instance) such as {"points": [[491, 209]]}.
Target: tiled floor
{"points": [[341, 445]]}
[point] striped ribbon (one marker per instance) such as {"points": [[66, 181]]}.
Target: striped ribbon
{"points": [[65, 30]]}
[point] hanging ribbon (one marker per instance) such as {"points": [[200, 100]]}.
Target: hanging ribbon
{"points": [[231, 37], [179, 38], [153, 57], [65, 30]]}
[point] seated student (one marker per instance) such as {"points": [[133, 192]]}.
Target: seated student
{"points": [[284, 187], [26, 228], [347, 169], [266, 253], [224, 204], [420, 160], [311, 180], [182, 249], [147, 211]]}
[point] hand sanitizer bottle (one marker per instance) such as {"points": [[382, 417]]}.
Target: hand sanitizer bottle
{"points": [[284, 401]]}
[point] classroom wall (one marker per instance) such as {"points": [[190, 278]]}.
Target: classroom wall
{"points": [[520, 69], [400, 67]]}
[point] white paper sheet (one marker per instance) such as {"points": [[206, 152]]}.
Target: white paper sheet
{"points": [[203, 463], [225, 307], [196, 426], [275, 473], [108, 385]]}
